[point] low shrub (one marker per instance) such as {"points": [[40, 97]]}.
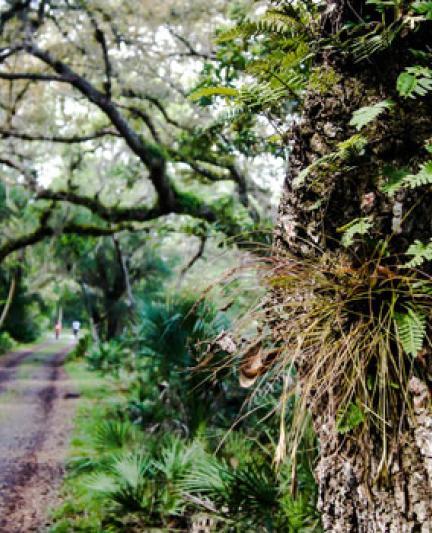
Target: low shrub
{"points": [[6, 342]]}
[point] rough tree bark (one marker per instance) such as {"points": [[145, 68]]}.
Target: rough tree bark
{"points": [[350, 498]]}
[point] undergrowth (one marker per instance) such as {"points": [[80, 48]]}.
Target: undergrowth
{"points": [[158, 447]]}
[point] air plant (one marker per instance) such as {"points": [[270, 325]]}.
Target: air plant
{"points": [[346, 339]]}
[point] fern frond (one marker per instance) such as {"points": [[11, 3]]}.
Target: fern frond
{"points": [[345, 151], [423, 7], [352, 146], [367, 114], [399, 179], [379, 38], [260, 94], [213, 91], [411, 329], [358, 226], [423, 177], [415, 81], [420, 253], [395, 180]]}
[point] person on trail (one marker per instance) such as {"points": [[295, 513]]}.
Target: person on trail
{"points": [[75, 328], [57, 329]]}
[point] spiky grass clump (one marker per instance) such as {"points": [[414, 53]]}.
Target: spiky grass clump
{"points": [[352, 336]]}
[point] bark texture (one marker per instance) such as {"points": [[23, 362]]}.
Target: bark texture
{"points": [[354, 492]]}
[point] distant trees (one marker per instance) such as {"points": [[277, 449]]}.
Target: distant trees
{"points": [[81, 80]]}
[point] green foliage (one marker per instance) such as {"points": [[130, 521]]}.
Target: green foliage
{"points": [[395, 180], [6, 342], [107, 356], [423, 176], [350, 418], [411, 327], [414, 82], [401, 178], [81, 348], [365, 115], [124, 487], [345, 151], [213, 91], [113, 434], [423, 7], [371, 42], [358, 226], [420, 252], [153, 457]]}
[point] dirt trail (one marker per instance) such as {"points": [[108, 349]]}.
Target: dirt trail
{"points": [[36, 414]]}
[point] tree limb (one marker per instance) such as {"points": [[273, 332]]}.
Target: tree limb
{"points": [[197, 255], [100, 38], [5, 134], [192, 52], [130, 93], [146, 153], [44, 230], [34, 76], [113, 214], [8, 300]]}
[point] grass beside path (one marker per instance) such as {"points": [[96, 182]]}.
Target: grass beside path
{"points": [[98, 396]]}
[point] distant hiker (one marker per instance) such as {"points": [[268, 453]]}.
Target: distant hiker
{"points": [[57, 329], [75, 328]]}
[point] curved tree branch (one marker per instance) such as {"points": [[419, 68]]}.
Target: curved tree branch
{"points": [[34, 76], [44, 230], [58, 138], [146, 152], [109, 213]]}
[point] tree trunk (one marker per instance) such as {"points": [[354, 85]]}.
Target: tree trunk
{"points": [[353, 493]]}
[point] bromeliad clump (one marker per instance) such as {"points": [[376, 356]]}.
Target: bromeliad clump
{"points": [[352, 337]]}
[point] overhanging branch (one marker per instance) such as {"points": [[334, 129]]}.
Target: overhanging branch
{"points": [[58, 138], [34, 76], [44, 231]]}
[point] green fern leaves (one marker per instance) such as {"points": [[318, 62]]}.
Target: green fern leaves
{"points": [[345, 150], [400, 179], [367, 114], [213, 91], [415, 81], [423, 177], [349, 418], [420, 252], [395, 180], [411, 329], [358, 226], [424, 8]]}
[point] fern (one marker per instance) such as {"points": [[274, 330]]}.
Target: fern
{"points": [[213, 91], [253, 96], [349, 418], [358, 226], [399, 179], [415, 81], [423, 177], [423, 8], [367, 114], [420, 252], [376, 40], [395, 180], [411, 329], [271, 22], [344, 151]]}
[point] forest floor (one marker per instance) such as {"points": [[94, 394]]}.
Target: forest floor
{"points": [[37, 406]]}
